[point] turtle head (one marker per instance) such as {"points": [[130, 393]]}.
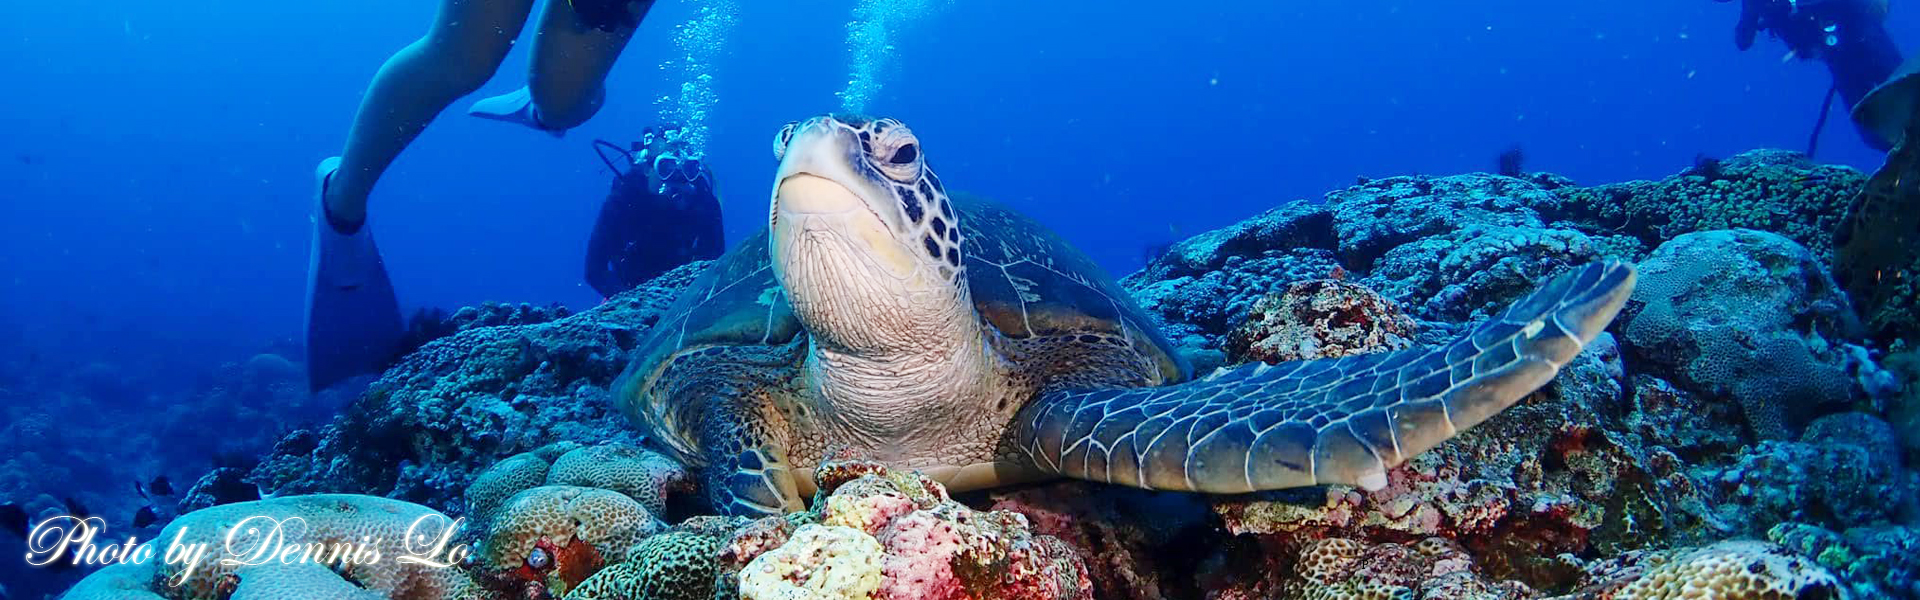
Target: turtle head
{"points": [[863, 235]]}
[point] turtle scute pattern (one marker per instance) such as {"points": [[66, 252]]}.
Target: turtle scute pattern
{"points": [[1046, 296], [1334, 421]]}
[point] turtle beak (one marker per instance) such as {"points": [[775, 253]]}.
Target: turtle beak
{"points": [[821, 205]]}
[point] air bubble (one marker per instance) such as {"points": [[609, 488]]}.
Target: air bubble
{"points": [[701, 41], [870, 39]]}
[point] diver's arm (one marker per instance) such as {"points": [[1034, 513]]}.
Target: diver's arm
{"points": [[712, 241]]}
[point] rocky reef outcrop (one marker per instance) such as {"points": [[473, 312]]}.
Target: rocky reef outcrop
{"points": [[424, 430]]}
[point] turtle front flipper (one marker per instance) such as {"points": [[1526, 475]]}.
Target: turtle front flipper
{"points": [[1333, 421], [747, 473]]}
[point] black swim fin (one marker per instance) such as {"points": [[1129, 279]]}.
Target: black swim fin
{"points": [[353, 323]]}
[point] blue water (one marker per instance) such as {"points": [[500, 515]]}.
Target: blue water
{"points": [[156, 167]]}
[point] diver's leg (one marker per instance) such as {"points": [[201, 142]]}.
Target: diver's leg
{"points": [[570, 63], [466, 44], [353, 324]]}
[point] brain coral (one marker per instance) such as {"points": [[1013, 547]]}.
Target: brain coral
{"points": [[678, 565], [555, 537], [1735, 569], [1748, 315], [645, 476], [329, 520]]}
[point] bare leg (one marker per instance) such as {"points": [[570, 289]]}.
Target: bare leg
{"points": [[569, 67], [460, 52]]}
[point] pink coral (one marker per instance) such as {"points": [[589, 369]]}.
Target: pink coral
{"points": [[938, 549], [1117, 548], [1342, 569]]}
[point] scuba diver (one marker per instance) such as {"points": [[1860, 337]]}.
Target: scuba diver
{"points": [[1850, 36], [662, 212], [353, 324]]}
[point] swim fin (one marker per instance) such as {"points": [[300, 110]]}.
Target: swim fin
{"points": [[513, 107], [353, 323]]}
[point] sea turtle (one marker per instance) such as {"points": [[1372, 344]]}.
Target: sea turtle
{"points": [[880, 318], [1877, 247]]}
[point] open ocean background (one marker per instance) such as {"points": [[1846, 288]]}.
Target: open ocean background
{"points": [[155, 173]]}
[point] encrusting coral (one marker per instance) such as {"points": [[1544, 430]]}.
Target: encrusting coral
{"points": [[818, 562], [1319, 318], [1748, 315], [874, 533], [1742, 569]]}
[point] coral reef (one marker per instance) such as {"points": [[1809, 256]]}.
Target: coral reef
{"points": [[1844, 472], [677, 565], [645, 476], [469, 399], [1748, 315], [552, 538], [1343, 569], [1734, 400], [1319, 318], [1136, 544], [873, 533], [1769, 190], [1875, 562], [1732, 569], [819, 561], [330, 521]]}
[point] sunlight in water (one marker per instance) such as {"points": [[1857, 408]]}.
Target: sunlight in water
{"points": [[870, 37], [701, 41]]}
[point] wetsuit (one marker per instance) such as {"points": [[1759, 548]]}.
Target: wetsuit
{"points": [[1848, 35], [610, 15], [644, 230]]}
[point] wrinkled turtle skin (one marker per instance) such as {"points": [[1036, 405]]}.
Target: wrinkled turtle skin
{"points": [[1027, 284]]}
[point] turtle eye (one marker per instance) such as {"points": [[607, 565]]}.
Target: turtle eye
{"points": [[539, 559], [905, 155], [781, 140]]}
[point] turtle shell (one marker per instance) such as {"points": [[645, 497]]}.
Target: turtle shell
{"points": [[1026, 282], [1033, 286]]}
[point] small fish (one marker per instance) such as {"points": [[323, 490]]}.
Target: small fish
{"points": [[144, 517], [14, 519], [76, 509], [1810, 179], [160, 486]]}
